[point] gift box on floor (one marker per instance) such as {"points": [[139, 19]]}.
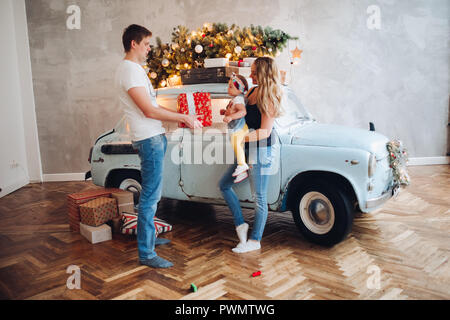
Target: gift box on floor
{"points": [[96, 212], [96, 234], [129, 224], [75, 199], [125, 201], [161, 226], [198, 103]]}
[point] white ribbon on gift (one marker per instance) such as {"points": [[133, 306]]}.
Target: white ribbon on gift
{"points": [[191, 103]]}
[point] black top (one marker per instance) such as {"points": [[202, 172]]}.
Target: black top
{"points": [[253, 121]]}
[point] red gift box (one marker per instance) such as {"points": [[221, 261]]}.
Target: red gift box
{"points": [[198, 103]]}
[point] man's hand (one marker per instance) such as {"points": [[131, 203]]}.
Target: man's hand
{"points": [[192, 122]]}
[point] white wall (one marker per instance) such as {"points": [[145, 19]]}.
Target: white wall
{"points": [[19, 156], [27, 94]]}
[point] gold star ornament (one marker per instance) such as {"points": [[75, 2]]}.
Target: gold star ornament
{"points": [[296, 53]]}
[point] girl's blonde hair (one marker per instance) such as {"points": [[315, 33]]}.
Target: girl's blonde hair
{"points": [[269, 87]]}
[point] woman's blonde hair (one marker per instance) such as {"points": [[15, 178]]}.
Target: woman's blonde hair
{"points": [[269, 87]]}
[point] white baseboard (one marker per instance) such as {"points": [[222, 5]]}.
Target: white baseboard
{"points": [[59, 177], [428, 161]]}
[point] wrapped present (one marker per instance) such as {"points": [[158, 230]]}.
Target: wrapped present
{"points": [[249, 60], [199, 104], [96, 234], [125, 201], [245, 72], [74, 201], [161, 226], [215, 62], [239, 63], [129, 224], [96, 212]]}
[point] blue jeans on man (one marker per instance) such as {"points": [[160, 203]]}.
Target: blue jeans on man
{"points": [[151, 153]]}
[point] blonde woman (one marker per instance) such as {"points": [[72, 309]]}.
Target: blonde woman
{"points": [[263, 106]]}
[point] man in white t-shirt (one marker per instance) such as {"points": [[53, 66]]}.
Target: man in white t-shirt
{"points": [[138, 101]]}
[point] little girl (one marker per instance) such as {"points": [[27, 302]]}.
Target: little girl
{"points": [[235, 117]]}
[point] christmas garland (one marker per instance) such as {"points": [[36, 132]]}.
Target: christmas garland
{"points": [[398, 158], [189, 49]]}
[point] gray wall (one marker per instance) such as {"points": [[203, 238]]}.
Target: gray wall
{"points": [[396, 77]]}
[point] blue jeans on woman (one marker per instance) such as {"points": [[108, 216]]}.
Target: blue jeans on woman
{"points": [[151, 153], [262, 160]]}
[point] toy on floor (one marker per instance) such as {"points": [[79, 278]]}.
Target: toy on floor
{"points": [[255, 274], [193, 288]]}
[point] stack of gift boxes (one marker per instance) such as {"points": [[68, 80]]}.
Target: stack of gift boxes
{"points": [[96, 214], [241, 67]]}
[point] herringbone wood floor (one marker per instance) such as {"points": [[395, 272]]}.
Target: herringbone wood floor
{"points": [[407, 241]]}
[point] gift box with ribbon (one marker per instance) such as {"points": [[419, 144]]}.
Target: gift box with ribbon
{"points": [[199, 104], [243, 71]]}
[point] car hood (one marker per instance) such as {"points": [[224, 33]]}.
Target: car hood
{"points": [[327, 135]]}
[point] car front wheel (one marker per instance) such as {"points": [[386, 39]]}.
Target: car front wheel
{"points": [[322, 212], [129, 181]]}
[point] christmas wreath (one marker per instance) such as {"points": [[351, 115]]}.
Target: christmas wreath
{"points": [[398, 158]]}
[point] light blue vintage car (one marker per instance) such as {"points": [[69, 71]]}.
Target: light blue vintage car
{"points": [[323, 173]]}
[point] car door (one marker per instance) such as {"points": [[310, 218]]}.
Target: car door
{"points": [[205, 157]]}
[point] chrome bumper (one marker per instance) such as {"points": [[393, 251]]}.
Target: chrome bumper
{"points": [[375, 202]]}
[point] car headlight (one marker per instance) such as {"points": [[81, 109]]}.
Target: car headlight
{"points": [[372, 165]]}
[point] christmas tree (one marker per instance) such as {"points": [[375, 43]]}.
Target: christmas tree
{"points": [[189, 49]]}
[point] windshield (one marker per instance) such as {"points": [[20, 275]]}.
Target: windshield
{"points": [[293, 111]]}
